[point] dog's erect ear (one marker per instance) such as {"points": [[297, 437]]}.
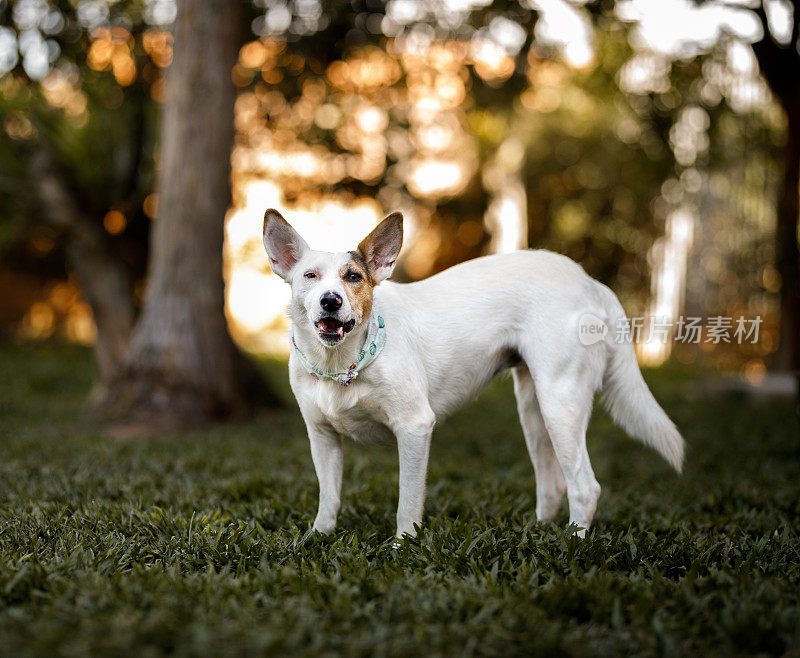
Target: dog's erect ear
{"points": [[283, 244], [381, 247]]}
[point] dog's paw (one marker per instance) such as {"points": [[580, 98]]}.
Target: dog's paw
{"points": [[324, 527], [577, 529], [400, 540], [407, 531]]}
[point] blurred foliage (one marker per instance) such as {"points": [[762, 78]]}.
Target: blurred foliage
{"points": [[605, 162], [90, 108], [415, 106]]}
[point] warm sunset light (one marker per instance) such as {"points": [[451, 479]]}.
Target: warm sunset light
{"points": [[411, 123], [600, 210]]}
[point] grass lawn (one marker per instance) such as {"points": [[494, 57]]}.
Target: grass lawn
{"points": [[198, 543]]}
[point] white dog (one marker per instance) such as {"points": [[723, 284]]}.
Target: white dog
{"points": [[383, 363]]}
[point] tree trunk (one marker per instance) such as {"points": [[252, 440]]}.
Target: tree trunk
{"points": [[780, 66], [787, 256], [101, 276], [182, 366]]}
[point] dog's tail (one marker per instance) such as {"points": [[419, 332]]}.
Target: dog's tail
{"points": [[627, 398]]}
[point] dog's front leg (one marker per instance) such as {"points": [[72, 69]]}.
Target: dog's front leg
{"points": [[413, 446], [326, 451]]}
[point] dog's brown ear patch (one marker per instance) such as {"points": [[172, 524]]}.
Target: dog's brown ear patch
{"points": [[283, 244], [381, 247]]}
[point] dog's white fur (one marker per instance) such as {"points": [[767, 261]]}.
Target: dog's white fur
{"points": [[447, 337]]}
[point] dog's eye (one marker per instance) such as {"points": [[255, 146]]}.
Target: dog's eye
{"points": [[310, 275], [353, 277]]}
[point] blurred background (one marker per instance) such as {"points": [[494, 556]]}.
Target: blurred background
{"points": [[656, 142]]}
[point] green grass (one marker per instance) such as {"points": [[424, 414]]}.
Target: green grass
{"points": [[198, 543]]}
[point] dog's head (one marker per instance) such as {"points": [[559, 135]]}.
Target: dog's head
{"points": [[332, 291]]}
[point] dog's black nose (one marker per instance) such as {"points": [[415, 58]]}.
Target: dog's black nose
{"points": [[331, 301]]}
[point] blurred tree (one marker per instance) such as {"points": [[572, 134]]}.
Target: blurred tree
{"points": [[780, 64], [80, 106], [182, 366], [102, 276], [385, 99], [78, 163], [779, 60]]}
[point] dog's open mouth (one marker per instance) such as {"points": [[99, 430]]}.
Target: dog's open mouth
{"points": [[332, 330]]}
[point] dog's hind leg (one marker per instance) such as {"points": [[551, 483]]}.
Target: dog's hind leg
{"points": [[550, 485], [565, 389]]}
